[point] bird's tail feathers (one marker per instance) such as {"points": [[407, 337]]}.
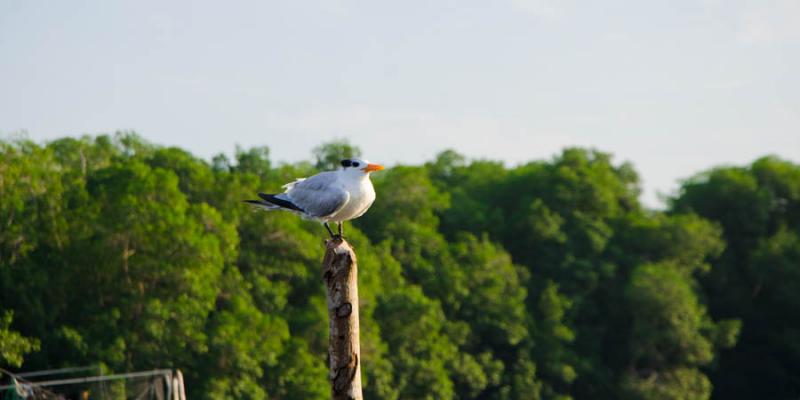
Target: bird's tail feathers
{"points": [[263, 204], [275, 202]]}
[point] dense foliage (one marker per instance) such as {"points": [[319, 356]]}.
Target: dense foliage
{"points": [[477, 281]]}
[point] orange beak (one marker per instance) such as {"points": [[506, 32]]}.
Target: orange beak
{"points": [[373, 167]]}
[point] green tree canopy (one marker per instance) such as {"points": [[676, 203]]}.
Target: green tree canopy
{"points": [[546, 280]]}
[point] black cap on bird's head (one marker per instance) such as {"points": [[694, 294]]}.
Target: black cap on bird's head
{"points": [[363, 165]]}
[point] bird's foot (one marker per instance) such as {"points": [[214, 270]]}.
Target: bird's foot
{"points": [[337, 237], [334, 240]]}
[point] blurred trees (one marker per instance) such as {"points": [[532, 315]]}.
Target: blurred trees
{"points": [[13, 346], [329, 155], [755, 280], [544, 281]]}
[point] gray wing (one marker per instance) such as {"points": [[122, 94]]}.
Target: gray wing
{"points": [[319, 196]]}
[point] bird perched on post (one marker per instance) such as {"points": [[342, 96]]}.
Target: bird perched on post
{"points": [[330, 196]]}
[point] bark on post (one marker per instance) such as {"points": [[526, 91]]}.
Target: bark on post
{"points": [[340, 272]]}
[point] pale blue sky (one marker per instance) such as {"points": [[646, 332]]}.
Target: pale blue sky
{"points": [[674, 87]]}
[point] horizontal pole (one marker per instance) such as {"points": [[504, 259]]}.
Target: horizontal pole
{"points": [[89, 379]]}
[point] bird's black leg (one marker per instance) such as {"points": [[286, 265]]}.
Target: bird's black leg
{"points": [[340, 229], [329, 229]]}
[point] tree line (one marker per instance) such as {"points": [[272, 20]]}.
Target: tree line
{"points": [[547, 280]]}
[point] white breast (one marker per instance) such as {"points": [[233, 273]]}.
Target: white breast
{"points": [[362, 194]]}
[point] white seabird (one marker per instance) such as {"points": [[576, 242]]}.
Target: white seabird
{"points": [[331, 196]]}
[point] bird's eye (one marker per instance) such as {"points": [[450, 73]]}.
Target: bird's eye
{"points": [[346, 163], [355, 164]]}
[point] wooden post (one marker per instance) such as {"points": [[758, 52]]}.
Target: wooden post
{"points": [[340, 272]]}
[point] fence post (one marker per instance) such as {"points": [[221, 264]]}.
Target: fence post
{"points": [[340, 272]]}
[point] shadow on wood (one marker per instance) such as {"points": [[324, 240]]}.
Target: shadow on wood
{"points": [[340, 272]]}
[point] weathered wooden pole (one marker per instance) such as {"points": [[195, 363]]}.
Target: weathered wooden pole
{"points": [[340, 272]]}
